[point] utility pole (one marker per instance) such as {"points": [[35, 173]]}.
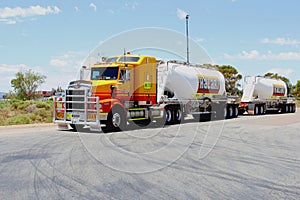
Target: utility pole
{"points": [[187, 39]]}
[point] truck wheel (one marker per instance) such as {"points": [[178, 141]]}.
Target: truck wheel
{"points": [[293, 108], [236, 112], [169, 116], [178, 117], [256, 110], [115, 121], [229, 112], [262, 110]]}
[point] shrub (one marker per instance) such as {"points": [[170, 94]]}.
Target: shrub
{"points": [[19, 119], [41, 104], [25, 112]]}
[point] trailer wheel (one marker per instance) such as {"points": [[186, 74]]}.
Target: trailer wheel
{"points": [[236, 112], [169, 116], [229, 112], [178, 116], [256, 110], [293, 108], [262, 110], [115, 121]]}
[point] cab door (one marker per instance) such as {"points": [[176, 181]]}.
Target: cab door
{"points": [[125, 84]]}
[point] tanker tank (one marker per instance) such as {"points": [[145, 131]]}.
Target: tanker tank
{"points": [[191, 81], [263, 88], [262, 95]]}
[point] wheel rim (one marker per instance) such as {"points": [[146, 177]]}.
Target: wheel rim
{"points": [[168, 116], [225, 112], [236, 112], [256, 110], [262, 110], [230, 112], [116, 120]]}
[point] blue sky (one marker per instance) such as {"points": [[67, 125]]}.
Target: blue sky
{"points": [[54, 37]]}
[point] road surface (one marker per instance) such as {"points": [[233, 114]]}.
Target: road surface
{"points": [[252, 157]]}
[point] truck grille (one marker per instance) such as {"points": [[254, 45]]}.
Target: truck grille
{"points": [[75, 99]]}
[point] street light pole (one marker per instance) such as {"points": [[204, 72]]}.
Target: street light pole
{"points": [[187, 39]]}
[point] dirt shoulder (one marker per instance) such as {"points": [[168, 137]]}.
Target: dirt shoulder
{"points": [[24, 126]]}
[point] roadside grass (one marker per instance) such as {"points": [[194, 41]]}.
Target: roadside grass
{"points": [[16, 112]]}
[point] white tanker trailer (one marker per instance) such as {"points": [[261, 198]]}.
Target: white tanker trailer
{"points": [[261, 95], [194, 89]]}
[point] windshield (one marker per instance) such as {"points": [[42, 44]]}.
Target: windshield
{"points": [[104, 73], [111, 59], [129, 59]]}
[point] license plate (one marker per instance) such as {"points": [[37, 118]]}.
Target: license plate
{"points": [[91, 117]]}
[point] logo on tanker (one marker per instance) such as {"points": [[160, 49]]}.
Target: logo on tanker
{"points": [[208, 84], [278, 90]]}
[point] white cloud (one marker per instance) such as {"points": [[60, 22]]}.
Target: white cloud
{"points": [[181, 14], [280, 41], [76, 8], [93, 6], [256, 55], [68, 61], [282, 71], [8, 12], [5, 68]]}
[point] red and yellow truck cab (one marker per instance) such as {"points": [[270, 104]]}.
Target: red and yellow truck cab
{"points": [[125, 86]]}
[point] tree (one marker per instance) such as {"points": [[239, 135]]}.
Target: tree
{"points": [[297, 89], [25, 84], [232, 78], [284, 79]]}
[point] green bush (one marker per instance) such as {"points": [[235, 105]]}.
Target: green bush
{"points": [[43, 104], [3, 104], [19, 119], [25, 112], [20, 105]]}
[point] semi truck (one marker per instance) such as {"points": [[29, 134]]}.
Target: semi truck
{"points": [[139, 90], [265, 95]]}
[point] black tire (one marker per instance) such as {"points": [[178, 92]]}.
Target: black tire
{"points": [[283, 108], [262, 109], [230, 112], [293, 108], [116, 121], [169, 116], [236, 111], [256, 110], [178, 116]]}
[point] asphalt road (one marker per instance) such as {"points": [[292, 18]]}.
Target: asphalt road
{"points": [[245, 158]]}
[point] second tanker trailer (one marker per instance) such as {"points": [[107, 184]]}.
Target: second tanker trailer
{"points": [[262, 95]]}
